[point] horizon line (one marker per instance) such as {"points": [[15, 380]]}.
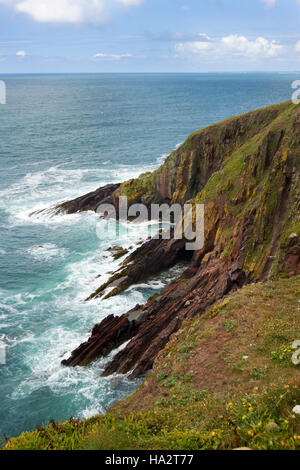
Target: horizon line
{"points": [[156, 73]]}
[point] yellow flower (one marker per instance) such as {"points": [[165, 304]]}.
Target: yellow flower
{"points": [[213, 434]]}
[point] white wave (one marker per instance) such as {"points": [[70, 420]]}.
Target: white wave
{"points": [[52, 321], [11, 342], [160, 281], [47, 251], [179, 145], [2, 252], [27, 217], [45, 189], [46, 371], [160, 160], [41, 181], [8, 308]]}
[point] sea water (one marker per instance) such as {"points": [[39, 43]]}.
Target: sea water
{"points": [[62, 136]]}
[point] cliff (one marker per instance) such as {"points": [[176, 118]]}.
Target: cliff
{"points": [[216, 343], [225, 380], [246, 172]]}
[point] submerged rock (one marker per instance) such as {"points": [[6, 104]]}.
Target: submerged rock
{"points": [[118, 252]]}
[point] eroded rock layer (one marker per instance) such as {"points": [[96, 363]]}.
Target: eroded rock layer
{"points": [[245, 171]]}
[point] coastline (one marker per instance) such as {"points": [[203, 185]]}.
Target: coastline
{"points": [[169, 309]]}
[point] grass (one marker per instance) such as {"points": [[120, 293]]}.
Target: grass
{"points": [[228, 374], [237, 379]]}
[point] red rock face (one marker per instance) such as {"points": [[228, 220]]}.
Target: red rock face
{"points": [[244, 223], [150, 326], [206, 280], [162, 185], [291, 263], [108, 335], [89, 202], [181, 300]]}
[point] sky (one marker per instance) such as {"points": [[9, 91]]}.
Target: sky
{"points": [[77, 36]]}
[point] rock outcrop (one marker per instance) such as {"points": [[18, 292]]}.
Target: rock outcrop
{"points": [[245, 171], [107, 336], [90, 201], [152, 257]]}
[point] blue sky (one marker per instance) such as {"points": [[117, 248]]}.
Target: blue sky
{"points": [[47, 36]]}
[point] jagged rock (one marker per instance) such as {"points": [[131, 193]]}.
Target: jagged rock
{"points": [[106, 336], [91, 201], [246, 172], [292, 261], [118, 252], [152, 257], [157, 321], [88, 202]]}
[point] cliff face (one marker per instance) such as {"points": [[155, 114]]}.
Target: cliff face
{"points": [[246, 172], [187, 170]]}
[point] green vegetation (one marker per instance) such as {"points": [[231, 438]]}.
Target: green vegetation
{"points": [[137, 189], [229, 325], [238, 387], [246, 171], [226, 379]]}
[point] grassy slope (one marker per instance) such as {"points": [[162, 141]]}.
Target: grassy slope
{"points": [[219, 383]]}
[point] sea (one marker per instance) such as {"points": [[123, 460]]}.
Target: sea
{"points": [[62, 136]]}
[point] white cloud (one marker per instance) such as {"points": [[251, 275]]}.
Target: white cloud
{"points": [[297, 47], [269, 3], [240, 45], [231, 45], [130, 2], [56, 10], [101, 55], [193, 47], [68, 11], [21, 54]]}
